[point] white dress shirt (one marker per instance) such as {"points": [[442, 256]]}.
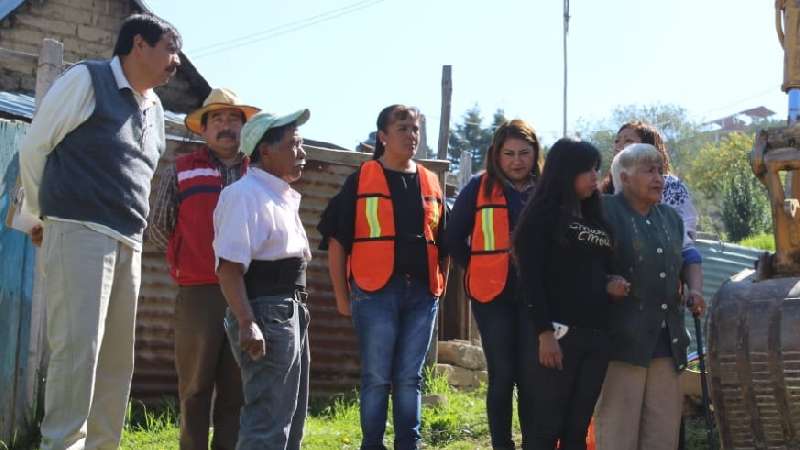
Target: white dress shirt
{"points": [[68, 103], [258, 218]]}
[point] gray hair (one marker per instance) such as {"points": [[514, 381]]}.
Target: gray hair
{"points": [[631, 157]]}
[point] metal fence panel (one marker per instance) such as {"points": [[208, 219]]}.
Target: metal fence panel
{"points": [[16, 292]]}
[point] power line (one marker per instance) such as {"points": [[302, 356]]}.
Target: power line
{"points": [[280, 30], [740, 101]]}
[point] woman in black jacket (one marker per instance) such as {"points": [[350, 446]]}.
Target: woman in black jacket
{"points": [[563, 249]]}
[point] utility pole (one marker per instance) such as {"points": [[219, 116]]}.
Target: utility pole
{"points": [[444, 118], [566, 30]]}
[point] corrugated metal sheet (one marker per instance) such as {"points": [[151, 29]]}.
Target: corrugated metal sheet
{"points": [[23, 105], [16, 292], [17, 104], [154, 374], [721, 260]]}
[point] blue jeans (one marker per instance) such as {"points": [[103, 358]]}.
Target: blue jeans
{"points": [[276, 386], [394, 328]]}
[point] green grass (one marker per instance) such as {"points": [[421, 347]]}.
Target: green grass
{"points": [[151, 428], [763, 241], [458, 424]]}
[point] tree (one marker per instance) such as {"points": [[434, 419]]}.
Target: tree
{"points": [[680, 133], [744, 209], [722, 171], [716, 162], [471, 136]]}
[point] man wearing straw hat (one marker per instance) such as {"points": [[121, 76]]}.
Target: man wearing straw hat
{"points": [[182, 222], [261, 252]]}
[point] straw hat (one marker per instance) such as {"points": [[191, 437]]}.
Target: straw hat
{"points": [[219, 98], [254, 130]]}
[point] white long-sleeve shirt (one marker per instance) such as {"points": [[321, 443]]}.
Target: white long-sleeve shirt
{"points": [[69, 102], [258, 218]]}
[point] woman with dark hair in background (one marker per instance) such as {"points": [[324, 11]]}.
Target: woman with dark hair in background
{"points": [[675, 194], [563, 248], [387, 222], [479, 239]]}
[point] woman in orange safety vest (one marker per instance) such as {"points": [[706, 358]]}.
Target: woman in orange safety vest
{"points": [[382, 233], [478, 238]]}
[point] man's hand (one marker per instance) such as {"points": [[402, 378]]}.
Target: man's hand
{"points": [[251, 340], [549, 351], [37, 235]]}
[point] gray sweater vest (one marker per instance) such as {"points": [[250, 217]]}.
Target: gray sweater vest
{"points": [[101, 171]]}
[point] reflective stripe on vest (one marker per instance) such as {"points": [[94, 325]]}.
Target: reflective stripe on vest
{"points": [[372, 256], [489, 260]]}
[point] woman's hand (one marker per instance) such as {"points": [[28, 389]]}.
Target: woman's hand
{"points": [[549, 351], [337, 268], [343, 306], [696, 303], [618, 287]]}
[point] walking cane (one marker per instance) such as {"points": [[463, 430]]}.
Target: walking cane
{"points": [[698, 332]]}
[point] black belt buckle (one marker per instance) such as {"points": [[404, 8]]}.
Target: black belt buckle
{"points": [[301, 295]]}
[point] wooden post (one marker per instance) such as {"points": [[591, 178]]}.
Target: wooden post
{"points": [[51, 62], [464, 169], [423, 151], [465, 319], [444, 121]]}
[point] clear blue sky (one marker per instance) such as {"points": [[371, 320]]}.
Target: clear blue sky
{"points": [[347, 59]]}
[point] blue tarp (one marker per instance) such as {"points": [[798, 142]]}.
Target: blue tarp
{"points": [[8, 6]]}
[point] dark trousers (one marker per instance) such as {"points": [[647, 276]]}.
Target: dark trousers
{"points": [[498, 325], [204, 363], [562, 401], [276, 385]]}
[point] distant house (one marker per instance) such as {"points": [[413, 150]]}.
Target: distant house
{"points": [[88, 29], [739, 121]]}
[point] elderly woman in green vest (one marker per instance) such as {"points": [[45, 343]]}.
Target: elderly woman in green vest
{"points": [[640, 405]]}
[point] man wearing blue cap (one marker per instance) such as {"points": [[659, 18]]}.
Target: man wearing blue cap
{"points": [[261, 252]]}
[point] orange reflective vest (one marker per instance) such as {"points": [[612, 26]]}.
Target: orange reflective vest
{"points": [[372, 257], [487, 271]]}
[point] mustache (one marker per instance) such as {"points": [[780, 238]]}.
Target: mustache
{"points": [[226, 133]]}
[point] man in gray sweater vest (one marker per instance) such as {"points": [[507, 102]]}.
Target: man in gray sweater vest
{"points": [[86, 165]]}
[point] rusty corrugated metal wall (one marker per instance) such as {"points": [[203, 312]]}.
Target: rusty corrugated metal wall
{"points": [[334, 352]]}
